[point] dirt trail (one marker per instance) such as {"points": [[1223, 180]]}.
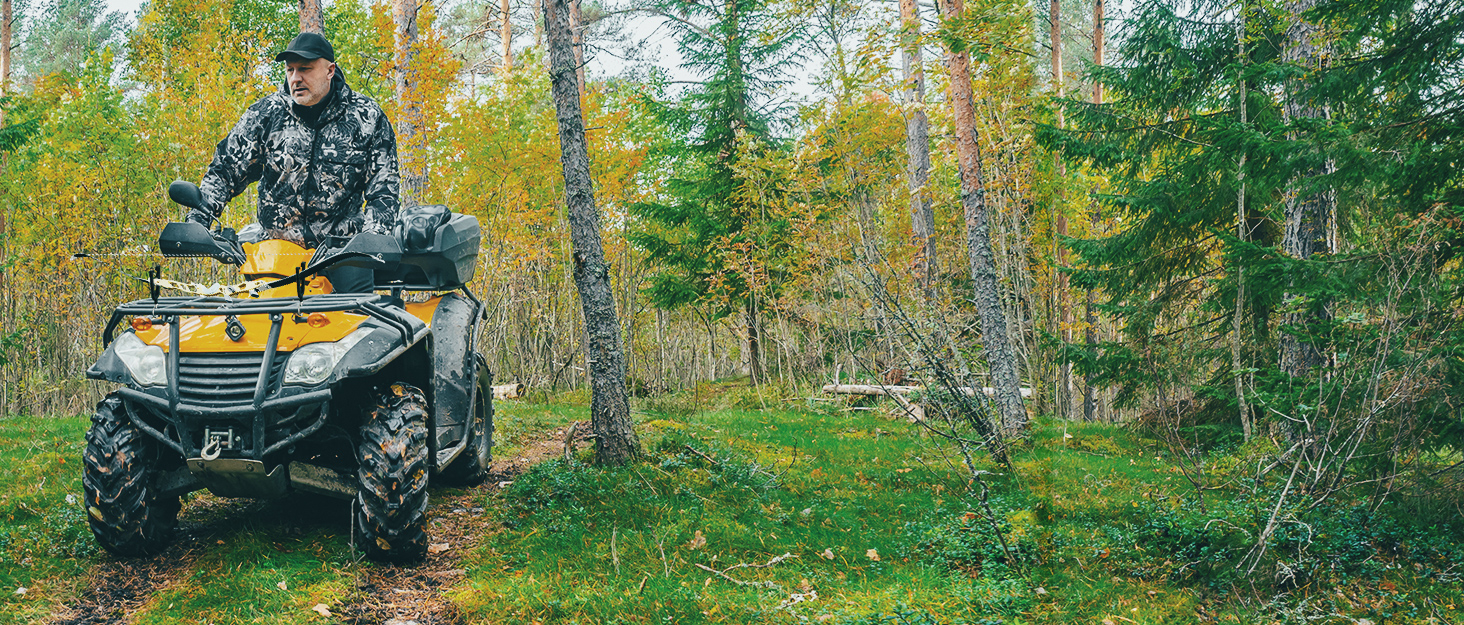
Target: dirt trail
{"points": [[119, 586], [408, 595], [387, 594]]}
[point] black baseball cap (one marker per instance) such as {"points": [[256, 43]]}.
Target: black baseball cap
{"points": [[306, 47]]}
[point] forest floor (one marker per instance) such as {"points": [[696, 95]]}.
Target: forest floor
{"points": [[748, 508]]}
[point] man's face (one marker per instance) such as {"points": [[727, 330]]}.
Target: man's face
{"points": [[309, 81]]}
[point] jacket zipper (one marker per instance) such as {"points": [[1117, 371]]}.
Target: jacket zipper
{"points": [[310, 174]]}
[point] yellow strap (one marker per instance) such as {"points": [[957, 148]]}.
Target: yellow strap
{"points": [[214, 289]]}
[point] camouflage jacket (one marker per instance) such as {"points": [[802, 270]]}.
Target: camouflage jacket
{"points": [[313, 182]]}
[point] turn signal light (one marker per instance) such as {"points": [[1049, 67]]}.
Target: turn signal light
{"points": [[318, 320], [141, 324]]}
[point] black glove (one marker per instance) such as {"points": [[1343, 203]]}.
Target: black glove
{"points": [[199, 217]]}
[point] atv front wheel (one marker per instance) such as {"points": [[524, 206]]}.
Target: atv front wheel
{"points": [[470, 468], [119, 475], [391, 505]]}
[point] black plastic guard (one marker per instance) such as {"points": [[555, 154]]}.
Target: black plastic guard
{"points": [[454, 334]]}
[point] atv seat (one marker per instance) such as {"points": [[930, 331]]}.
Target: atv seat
{"points": [[440, 250]]}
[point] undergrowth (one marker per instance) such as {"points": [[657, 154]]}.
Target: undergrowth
{"points": [[809, 514]]}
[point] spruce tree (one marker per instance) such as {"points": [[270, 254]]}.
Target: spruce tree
{"points": [[710, 240], [1174, 139]]}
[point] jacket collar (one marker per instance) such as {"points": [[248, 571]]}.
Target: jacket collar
{"points": [[335, 101]]}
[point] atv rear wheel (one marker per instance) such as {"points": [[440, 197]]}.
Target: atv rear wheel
{"points": [[470, 468], [119, 475], [391, 505]]}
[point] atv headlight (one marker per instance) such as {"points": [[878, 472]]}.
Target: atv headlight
{"points": [[147, 363], [313, 363]]}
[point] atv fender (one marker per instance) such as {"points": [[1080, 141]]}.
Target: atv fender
{"points": [[454, 374]]}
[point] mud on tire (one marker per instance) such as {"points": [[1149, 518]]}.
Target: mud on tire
{"points": [[391, 505], [471, 467], [119, 474]]}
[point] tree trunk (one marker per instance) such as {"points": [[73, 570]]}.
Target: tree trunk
{"points": [[1242, 229], [7, 18], [505, 32], [577, 29], [408, 124], [1090, 320], [986, 289], [1065, 390], [1311, 210], [615, 440], [7, 21], [753, 318], [312, 17], [917, 146]]}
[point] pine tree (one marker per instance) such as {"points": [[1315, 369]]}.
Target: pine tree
{"points": [[615, 440]]}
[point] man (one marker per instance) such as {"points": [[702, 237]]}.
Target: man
{"points": [[324, 156]]}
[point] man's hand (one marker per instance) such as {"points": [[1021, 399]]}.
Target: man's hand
{"points": [[199, 217]]}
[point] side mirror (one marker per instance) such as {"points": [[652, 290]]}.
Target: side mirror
{"points": [[185, 193], [383, 251]]}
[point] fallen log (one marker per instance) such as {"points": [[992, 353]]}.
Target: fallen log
{"points": [[868, 389], [877, 390], [509, 391]]}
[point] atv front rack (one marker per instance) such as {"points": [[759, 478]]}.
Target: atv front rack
{"points": [[370, 304], [383, 308]]}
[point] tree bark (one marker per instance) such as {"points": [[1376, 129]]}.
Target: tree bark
{"points": [[1242, 229], [986, 289], [312, 17], [753, 319], [1310, 210], [917, 146], [577, 28], [1090, 319], [615, 440], [408, 123], [7, 19], [505, 32], [1065, 390]]}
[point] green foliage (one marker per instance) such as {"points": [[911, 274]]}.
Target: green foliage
{"points": [[1173, 141], [718, 236], [68, 35]]}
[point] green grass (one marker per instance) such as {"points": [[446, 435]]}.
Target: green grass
{"points": [[877, 520], [45, 546], [249, 547], [1101, 520]]}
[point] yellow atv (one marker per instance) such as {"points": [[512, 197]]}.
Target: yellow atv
{"points": [[280, 384]]}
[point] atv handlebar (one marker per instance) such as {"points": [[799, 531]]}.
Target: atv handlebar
{"points": [[189, 238]]}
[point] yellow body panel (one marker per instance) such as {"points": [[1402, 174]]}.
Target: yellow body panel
{"points": [[206, 334], [425, 310], [274, 257], [271, 259]]}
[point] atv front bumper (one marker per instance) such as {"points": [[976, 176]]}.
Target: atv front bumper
{"points": [[237, 401]]}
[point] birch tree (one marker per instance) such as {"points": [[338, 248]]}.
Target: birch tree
{"points": [[917, 146]]}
